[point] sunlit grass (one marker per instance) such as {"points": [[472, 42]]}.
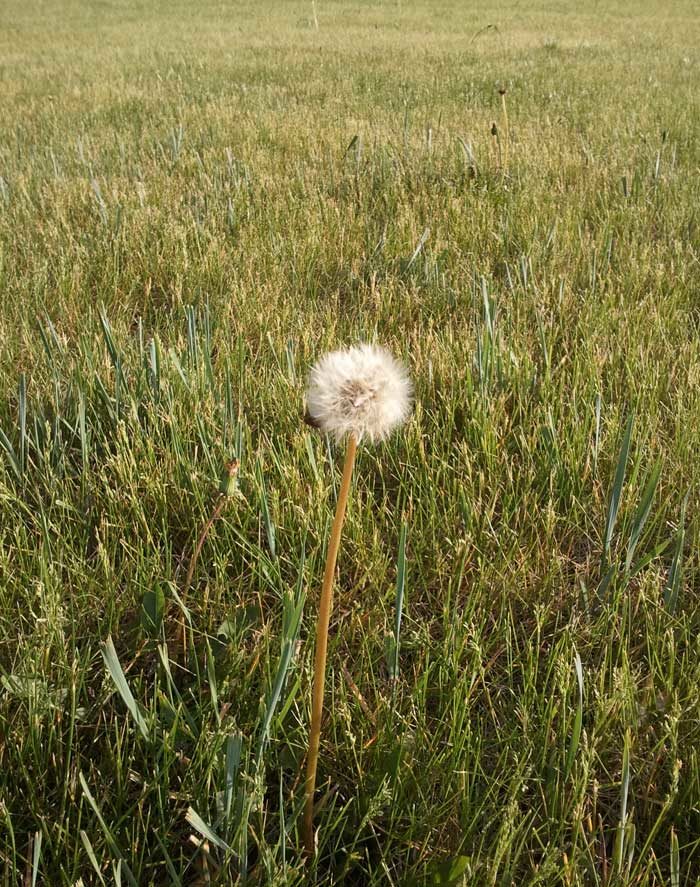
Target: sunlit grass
{"points": [[196, 201]]}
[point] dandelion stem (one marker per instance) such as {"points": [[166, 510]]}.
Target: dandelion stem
{"points": [[324, 615]]}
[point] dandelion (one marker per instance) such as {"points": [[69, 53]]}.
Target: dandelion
{"points": [[362, 391], [357, 394]]}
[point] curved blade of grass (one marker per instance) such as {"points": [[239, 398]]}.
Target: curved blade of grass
{"points": [[22, 400], [234, 745], [109, 655], [400, 583], [204, 829], [675, 574], [578, 720], [174, 877], [91, 856], [11, 455], [112, 349], [616, 494], [105, 828], [642, 513], [419, 248], [269, 524], [293, 606]]}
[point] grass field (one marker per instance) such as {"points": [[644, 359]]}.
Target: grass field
{"points": [[196, 201]]}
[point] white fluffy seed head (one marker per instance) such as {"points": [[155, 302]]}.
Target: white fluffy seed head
{"points": [[361, 390]]}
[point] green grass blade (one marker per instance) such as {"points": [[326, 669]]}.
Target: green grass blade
{"points": [[578, 718], [400, 584], [234, 746], [107, 832], [265, 507], [596, 441], [293, 605], [175, 879], [11, 455], [36, 856], [22, 401], [115, 670], [675, 574], [622, 833], [642, 513], [675, 860], [616, 493], [204, 829], [91, 856]]}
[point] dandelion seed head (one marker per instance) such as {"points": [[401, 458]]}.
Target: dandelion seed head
{"points": [[361, 390]]}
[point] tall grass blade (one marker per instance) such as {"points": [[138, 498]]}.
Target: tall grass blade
{"points": [[578, 719], [418, 250], [154, 366], [101, 205], [82, 431], [642, 514], [675, 860], [675, 574], [91, 856], [616, 494], [400, 584], [192, 341], [264, 505], [105, 828], [36, 856], [22, 400], [11, 455], [109, 655], [175, 879], [293, 604], [622, 831], [234, 745]]}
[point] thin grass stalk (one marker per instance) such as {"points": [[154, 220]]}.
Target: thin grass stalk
{"points": [[324, 615], [506, 131], [227, 487]]}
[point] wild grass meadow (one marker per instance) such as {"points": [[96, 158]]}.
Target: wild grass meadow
{"points": [[199, 199]]}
